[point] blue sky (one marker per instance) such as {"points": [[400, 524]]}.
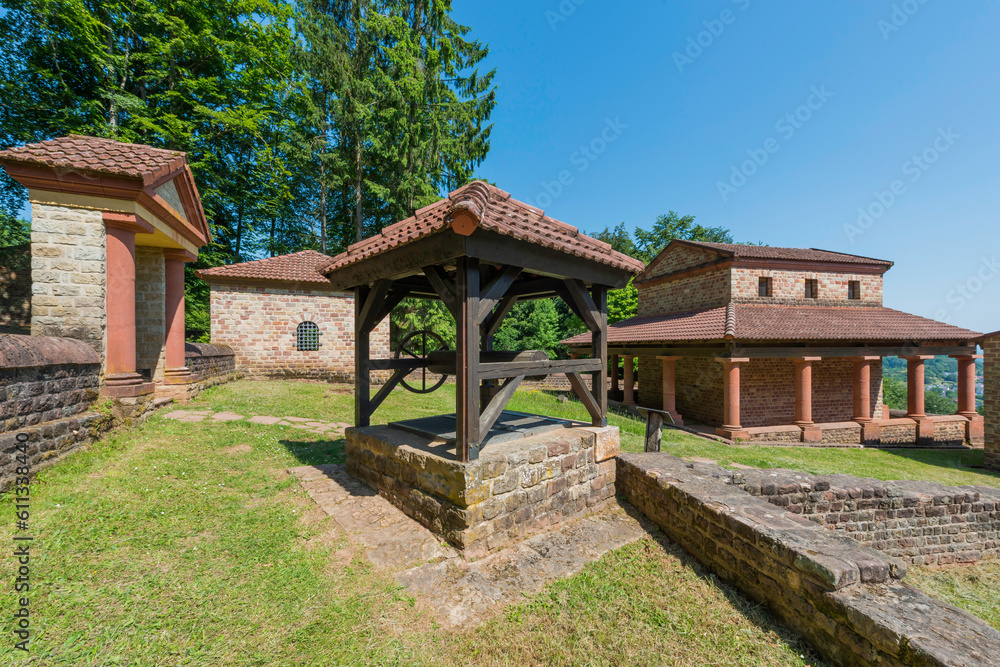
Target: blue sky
{"points": [[648, 106]]}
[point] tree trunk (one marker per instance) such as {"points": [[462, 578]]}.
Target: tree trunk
{"points": [[359, 224]]}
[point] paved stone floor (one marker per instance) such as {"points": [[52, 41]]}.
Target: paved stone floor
{"points": [[457, 591], [311, 425]]}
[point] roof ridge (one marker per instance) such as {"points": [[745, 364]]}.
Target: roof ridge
{"points": [[730, 321]]}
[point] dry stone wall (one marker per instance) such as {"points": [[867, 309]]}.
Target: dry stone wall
{"points": [[847, 599], [15, 289]]}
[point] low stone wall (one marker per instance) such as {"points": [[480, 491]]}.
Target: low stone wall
{"points": [[991, 399], [949, 431], [210, 365], [512, 490], [47, 387], [847, 599], [924, 523], [15, 289]]}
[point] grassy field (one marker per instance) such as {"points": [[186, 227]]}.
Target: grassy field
{"points": [[187, 544], [975, 589]]}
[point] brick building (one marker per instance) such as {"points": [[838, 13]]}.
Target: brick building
{"points": [[784, 344], [112, 225], [991, 396], [285, 320]]}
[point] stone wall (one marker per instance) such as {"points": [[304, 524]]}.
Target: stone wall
{"points": [[788, 287], [512, 490], [260, 322], [847, 599], [68, 274], [15, 289], [710, 289], [679, 259], [47, 388], [210, 365], [150, 312], [991, 399], [924, 523]]}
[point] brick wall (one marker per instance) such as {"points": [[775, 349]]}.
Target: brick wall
{"points": [[698, 383], [15, 289], [788, 287], [704, 290], [847, 599], [260, 324], [68, 274], [679, 259], [150, 312], [991, 400]]}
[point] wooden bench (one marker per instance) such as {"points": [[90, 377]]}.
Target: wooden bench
{"points": [[654, 426]]}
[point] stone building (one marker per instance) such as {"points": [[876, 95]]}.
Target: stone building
{"points": [[991, 396], [112, 225], [784, 344], [285, 320]]}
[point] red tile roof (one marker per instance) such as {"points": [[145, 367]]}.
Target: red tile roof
{"points": [[760, 322], [300, 267], [496, 211], [793, 254], [104, 156]]}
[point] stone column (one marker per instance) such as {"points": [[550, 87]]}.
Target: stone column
{"points": [[731, 427], [614, 375], [991, 399], [915, 396], [175, 371], [803, 399], [871, 432], [974, 430], [629, 397], [670, 388], [120, 378]]}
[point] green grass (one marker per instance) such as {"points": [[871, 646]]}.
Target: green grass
{"points": [[975, 589], [187, 544]]}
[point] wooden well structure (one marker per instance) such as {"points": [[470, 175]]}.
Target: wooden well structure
{"points": [[480, 252]]}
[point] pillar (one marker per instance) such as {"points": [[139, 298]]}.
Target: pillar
{"points": [[175, 371], [975, 426], [915, 396], [803, 399], [629, 397], [120, 377], [731, 427], [614, 375], [870, 431], [670, 388]]}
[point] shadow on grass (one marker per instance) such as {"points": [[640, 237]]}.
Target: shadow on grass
{"points": [[317, 452], [757, 614]]}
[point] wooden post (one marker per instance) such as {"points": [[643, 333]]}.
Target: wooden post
{"points": [[654, 431], [599, 350], [628, 395], [362, 355], [614, 375], [467, 342]]}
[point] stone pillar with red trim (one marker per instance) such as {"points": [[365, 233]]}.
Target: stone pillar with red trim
{"points": [[629, 390], [991, 399], [871, 432], [731, 427], [915, 397], [974, 428], [803, 400], [670, 388], [176, 370]]}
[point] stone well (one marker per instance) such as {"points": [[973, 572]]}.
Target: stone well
{"points": [[522, 482]]}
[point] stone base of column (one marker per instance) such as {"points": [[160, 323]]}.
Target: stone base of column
{"points": [[975, 429], [811, 432], [925, 428], [871, 432], [182, 375], [122, 385], [733, 432], [676, 416]]}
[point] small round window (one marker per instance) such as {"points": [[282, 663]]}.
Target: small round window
{"points": [[307, 337]]}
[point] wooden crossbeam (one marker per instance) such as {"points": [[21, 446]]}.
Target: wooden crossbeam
{"points": [[493, 322], [583, 393], [406, 363], [497, 404], [387, 388], [495, 291], [444, 287], [393, 299], [582, 304], [372, 305], [509, 369]]}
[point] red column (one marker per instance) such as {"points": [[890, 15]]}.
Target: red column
{"points": [[803, 399], [614, 375], [175, 371], [670, 388], [871, 432], [629, 398], [120, 376], [975, 429], [731, 427], [915, 396]]}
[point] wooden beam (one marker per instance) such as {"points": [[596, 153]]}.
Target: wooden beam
{"points": [[587, 398], [654, 431], [497, 370], [497, 404], [372, 305], [393, 299], [536, 287], [582, 304], [387, 388], [362, 352], [599, 353], [406, 363], [493, 322], [495, 291], [467, 435], [444, 287], [781, 352]]}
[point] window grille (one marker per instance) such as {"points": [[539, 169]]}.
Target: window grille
{"points": [[812, 288], [854, 289], [307, 337], [764, 287]]}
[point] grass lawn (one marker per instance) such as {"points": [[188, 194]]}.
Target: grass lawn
{"points": [[976, 589], [187, 544]]}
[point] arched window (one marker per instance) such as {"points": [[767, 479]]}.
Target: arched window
{"points": [[307, 337]]}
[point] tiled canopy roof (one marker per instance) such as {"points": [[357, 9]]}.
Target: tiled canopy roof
{"points": [[300, 267], [103, 156], [492, 209], [787, 254], [762, 323]]}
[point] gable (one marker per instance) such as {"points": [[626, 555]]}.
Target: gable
{"points": [[676, 257], [170, 195]]}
